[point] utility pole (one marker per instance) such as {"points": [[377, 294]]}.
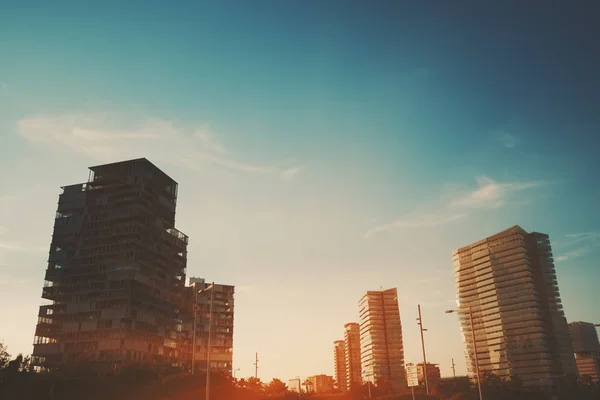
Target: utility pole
{"points": [[453, 369], [210, 312], [194, 329], [256, 366], [470, 311], [423, 346], [475, 352]]}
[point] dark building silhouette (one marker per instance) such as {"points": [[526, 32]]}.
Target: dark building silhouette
{"points": [[114, 285], [220, 331]]}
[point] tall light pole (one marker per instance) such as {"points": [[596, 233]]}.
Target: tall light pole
{"points": [[212, 293], [194, 328], [210, 312], [256, 366], [453, 369], [420, 323], [474, 346]]}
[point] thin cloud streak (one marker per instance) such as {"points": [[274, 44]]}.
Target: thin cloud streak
{"points": [[290, 173], [418, 222], [491, 194], [573, 254], [508, 140], [587, 242], [116, 136]]}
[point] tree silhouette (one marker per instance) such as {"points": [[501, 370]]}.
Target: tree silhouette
{"points": [[254, 384], [307, 385], [4, 356], [276, 386]]}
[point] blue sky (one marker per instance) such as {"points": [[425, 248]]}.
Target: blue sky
{"points": [[322, 149]]}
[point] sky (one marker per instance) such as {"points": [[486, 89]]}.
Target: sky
{"points": [[322, 149]]}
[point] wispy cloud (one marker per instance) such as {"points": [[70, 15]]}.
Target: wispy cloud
{"points": [[426, 220], [490, 193], [116, 136], [573, 254], [208, 137], [3, 230], [508, 140], [584, 236], [289, 173], [584, 242]]}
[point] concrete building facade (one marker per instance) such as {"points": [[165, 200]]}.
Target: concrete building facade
{"points": [[339, 362], [320, 384], [352, 355], [294, 385], [114, 284], [586, 347], [509, 283], [382, 348], [433, 374], [221, 332]]}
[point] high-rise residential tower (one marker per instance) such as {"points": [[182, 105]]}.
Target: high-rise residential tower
{"points": [[352, 350], [587, 349], [508, 282], [339, 362], [221, 330], [116, 271], [382, 349]]}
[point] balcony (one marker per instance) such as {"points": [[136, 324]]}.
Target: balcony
{"points": [[46, 349], [57, 256], [53, 310], [179, 235]]}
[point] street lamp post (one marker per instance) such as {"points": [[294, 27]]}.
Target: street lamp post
{"points": [[194, 329], [420, 319], [210, 312], [474, 347], [212, 293]]}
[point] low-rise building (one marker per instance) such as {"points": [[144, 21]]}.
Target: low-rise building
{"points": [[433, 374], [586, 348], [320, 384], [294, 385]]}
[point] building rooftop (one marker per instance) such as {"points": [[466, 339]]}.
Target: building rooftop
{"points": [[140, 161]]}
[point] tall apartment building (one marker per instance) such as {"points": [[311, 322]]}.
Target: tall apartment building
{"points": [[509, 282], [587, 349], [352, 355], [382, 349], [339, 362], [320, 384], [221, 331], [116, 271]]}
